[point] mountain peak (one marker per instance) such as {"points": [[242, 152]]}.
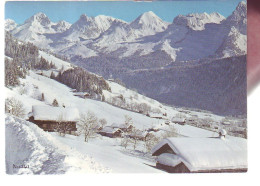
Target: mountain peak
{"points": [[146, 17], [197, 21], [150, 21], [39, 17], [10, 24], [240, 13]]}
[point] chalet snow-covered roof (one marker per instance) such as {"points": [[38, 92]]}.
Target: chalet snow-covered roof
{"points": [[109, 130], [139, 133], [49, 113], [155, 115], [120, 125], [200, 154], [178, 120], [81, 93]]}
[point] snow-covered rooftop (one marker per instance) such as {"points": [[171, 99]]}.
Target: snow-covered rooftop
{"points": [[155, 115], [49, 113], [109, 130], [178, 120], [200, 154]]}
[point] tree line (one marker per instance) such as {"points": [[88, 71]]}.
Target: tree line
{"points": [[22, 58]]}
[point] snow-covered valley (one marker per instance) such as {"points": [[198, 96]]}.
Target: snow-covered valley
{"points": [[100, 153]]}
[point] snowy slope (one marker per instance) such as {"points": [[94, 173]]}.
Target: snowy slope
{"points": [[28, 145]]}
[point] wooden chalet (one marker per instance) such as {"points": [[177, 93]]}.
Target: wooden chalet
{"points": [[49, 118], [123, 127], [111, 132], [156, 116], [83, 95], [180, 121], [140, 135], [194, 155]]}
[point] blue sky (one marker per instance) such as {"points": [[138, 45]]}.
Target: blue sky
{"points": [[128, 11]]}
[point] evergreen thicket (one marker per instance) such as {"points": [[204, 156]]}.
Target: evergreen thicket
{"points": [[83, 81], [24, 57]]}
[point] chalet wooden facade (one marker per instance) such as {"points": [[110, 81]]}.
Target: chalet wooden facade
{"points": [[51, 126], [53, 119]]}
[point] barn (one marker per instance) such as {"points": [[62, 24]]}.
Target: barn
{"points": [[111, 132], [194, 155], [180, 121], [48, 117], [123, 127], [83, 95]]}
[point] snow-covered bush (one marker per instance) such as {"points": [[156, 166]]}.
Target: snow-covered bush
{"points": [[170, 132], [125, 141], [14, 107]]}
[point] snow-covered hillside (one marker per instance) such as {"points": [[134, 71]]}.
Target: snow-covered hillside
{"points": [[49, 153]]}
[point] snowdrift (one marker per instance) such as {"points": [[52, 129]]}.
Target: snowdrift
{"points": [[30, 150]]}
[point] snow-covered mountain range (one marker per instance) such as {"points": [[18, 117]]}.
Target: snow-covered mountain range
{"points": [[130, 50], [203, 34]]}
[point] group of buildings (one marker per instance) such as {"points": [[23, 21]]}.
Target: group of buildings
{"points": [[174, 155]]}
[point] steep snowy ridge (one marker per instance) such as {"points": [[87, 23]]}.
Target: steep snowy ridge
{"points": [[10, 25], [149, 23], [88, 27], [198, 21], [61, 26], [235, 43]]}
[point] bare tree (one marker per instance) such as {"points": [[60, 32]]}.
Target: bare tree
{"points": [[14, 107], [134, 137], [88, 125], [102, 122], [125, 141], [150, 141]]}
